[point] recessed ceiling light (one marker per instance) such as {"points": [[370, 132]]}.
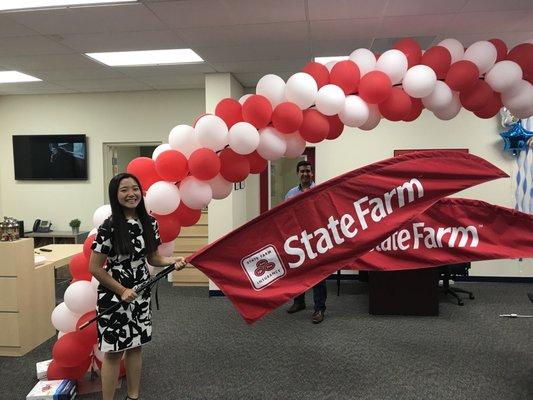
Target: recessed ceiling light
{"points": [[147, 57], [6, 5], [325, 60], [15, 76]]}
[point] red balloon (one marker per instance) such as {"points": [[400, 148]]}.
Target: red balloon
{"points": [[375, 87], [171, 165], [335, 127], [287, 117], [476, 97], [257, 163], [416, 110], [57, 372], [230, 111], [319, 72], [501, 49], [144, 169], [315, 126], [234, 167], [87, 246], [492, 107], [79, 268], [523, 56], [345, 74], [462, 75], [69, 351], [186, 216], [439, 59], [257, 110], [204, 164], [397, 106], [169, 226], [411, 49], [87, 335]]}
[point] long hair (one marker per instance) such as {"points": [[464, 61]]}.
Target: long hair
{"points": [[121, 236]]}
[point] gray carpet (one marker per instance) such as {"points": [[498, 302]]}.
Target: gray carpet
{"points": [[202, 349]]}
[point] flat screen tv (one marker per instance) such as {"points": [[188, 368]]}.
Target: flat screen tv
{"points": [[50, 157]]}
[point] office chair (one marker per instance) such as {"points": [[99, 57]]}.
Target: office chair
{"points": [[451, 272]]}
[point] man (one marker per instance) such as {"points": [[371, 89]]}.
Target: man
{"points": [[305, 174]]}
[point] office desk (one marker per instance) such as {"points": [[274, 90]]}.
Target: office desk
{"points": [[60, 255], [58, 237]]}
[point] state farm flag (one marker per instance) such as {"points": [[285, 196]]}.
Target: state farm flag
{"points": [[453, 231], [287, 250]]}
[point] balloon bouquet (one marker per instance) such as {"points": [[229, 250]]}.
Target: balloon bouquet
{"points": [[201, 162]]}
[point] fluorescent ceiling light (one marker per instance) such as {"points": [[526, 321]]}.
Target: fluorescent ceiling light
{"points": [[148, 57], [325, 60], [6, 5], [15, 76]]}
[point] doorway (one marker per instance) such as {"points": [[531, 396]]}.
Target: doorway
{"points": [[118, 155]]}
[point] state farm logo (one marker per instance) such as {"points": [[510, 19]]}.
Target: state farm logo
{"points": [[263, 267]]}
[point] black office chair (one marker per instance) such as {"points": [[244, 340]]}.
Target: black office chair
{"points": [[452, 272]]}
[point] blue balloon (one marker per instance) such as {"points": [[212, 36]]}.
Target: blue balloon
{"points": [[516, 138]]}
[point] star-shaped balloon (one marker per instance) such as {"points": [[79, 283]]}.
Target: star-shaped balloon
{"points": [[516, 138]]}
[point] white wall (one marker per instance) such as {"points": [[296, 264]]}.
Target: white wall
{"points": [[356, 148], [103, 117]]}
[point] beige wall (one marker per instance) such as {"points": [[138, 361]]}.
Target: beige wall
{"points": [[103, 117]]}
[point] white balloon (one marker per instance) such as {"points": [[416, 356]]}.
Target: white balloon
{"points": [[220, 187], [519, 98], [60, 334], [455, 48], [483, 54], [244, 98], [101, 214], [365, 60], [504, 75], [159, 149], [394, 64], [272, 144], [183, 138], [273, 88], [439, 98], [195, 194], [212, 132], [301, 89], [451, 110], [162, 198], [243, 138], [295, 145], [355, 111], [63, 319], [93, 231], [95, 283], [166, 249], [330, 65], [80, 297], [330, 99], [419, 81], [374, 117]]}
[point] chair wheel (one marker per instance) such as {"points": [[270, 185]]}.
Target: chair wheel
{"points": [[471, 297]]}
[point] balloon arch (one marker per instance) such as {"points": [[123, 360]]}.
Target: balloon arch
{"points": [[201, 162]]}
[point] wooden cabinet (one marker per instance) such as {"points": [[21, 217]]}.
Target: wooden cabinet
{"points": [[191, 238], [27, 299]]}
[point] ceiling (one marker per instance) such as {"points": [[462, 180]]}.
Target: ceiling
{"points": [[249, 38]]}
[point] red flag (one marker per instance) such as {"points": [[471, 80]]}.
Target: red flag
{"points": [[290, 248], [453, 231]]}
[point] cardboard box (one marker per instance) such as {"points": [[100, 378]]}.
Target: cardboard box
{"points": [[42, 369], [53, 390]]}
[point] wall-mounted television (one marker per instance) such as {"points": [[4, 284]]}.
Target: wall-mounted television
{"points": [[50, 157]]}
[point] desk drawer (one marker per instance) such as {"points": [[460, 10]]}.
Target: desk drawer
{"points": [[10, 332], [8, 294]]}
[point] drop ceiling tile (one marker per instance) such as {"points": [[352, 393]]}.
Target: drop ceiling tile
{"points": [[497, 5], [58, 75], [30, 45], [46, 62], [332, 48], [254, 53], [165, 70], [344, 29], [105, 85], [273, 66], [33, 88], [244, 34], [487, 22], [341, 9], [417, 25], [115, 18], [196, 13], [9, 28], [191, 80], [423, 7]]}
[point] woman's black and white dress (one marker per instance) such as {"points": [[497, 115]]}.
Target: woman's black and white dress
{"points": [[131, 325]]}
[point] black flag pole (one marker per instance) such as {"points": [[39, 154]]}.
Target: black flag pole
{"points": [[138, 289]]}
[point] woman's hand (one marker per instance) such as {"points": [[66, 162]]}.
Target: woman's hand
{"points": [[128, 295], [179, 263]]}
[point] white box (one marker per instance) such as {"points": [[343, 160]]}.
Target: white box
{"points": [[53, 390], [42, 369]]}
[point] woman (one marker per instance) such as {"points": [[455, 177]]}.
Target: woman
{"points": [[127, 239]]}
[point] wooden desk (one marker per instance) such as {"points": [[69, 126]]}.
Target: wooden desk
{"points": [[60, 255], [59, 236]]}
